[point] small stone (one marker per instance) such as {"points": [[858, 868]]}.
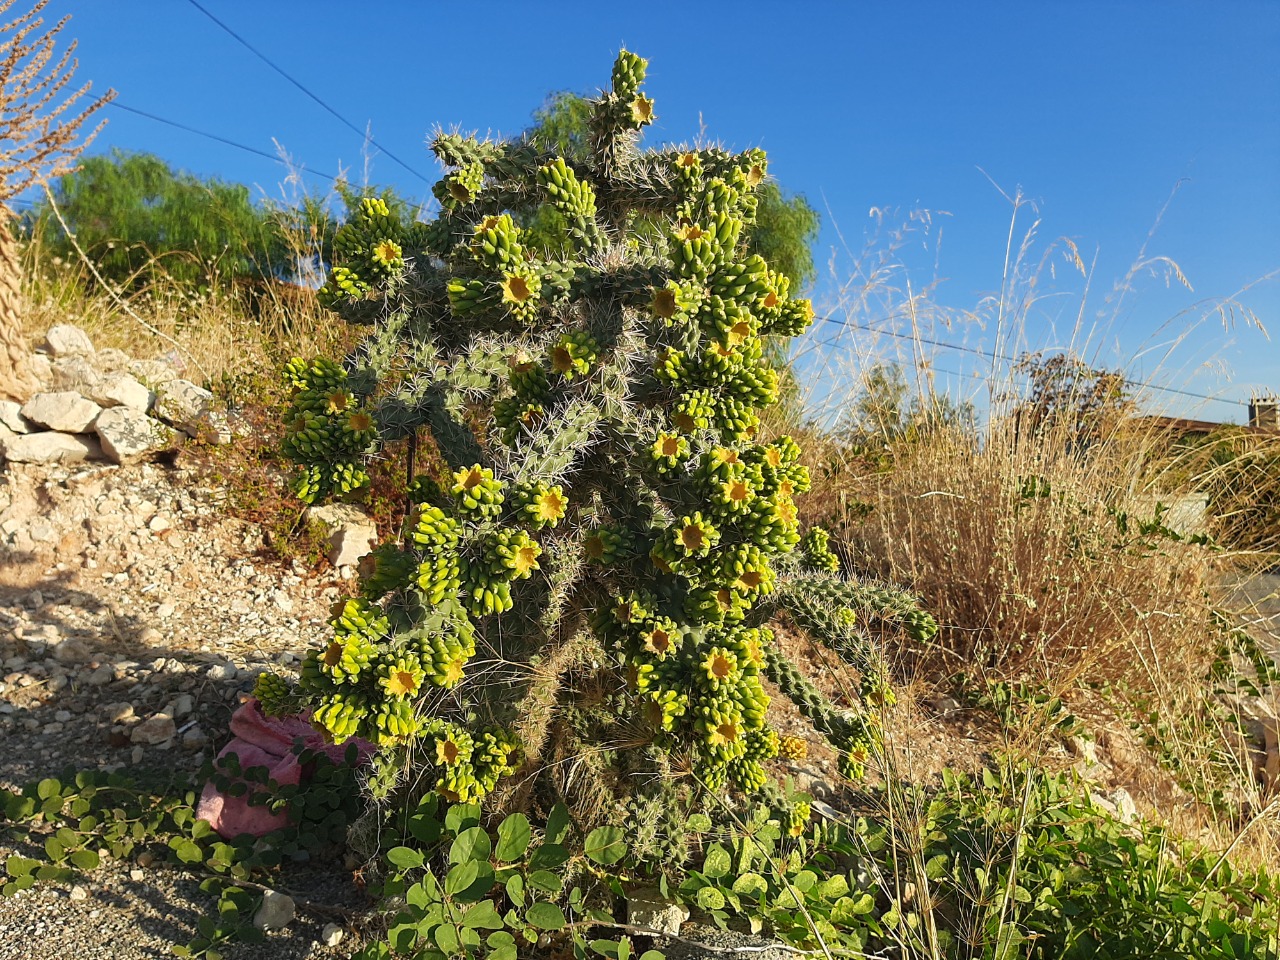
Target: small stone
{"points": [[101, 675], [1126, 809], [647, 907], [150, 635], [11, 417], [75, 373], [946, 706], [62, 716], [65, 339], [78, 893], [71, 650], [65, 411], [137, 876], [156, 729], [49, 729], [186, 406], [117, 712], [331, 935], [126, 434], [49, 447], [183, 705], [146, 858], [351, 533], [165, 610], [159, 524], [120, 390], [221, 671], [276, 911], [136, 755], [194, 738]]}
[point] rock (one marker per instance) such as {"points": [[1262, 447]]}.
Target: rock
{"points": [[42, 368], [118, 712], [221, 671], [71, 650], [166, 610], [183, 704], [74, 373], [194, 738], [152, 373], [331, 935], [647, 907], [187, 407], [121, 390], [50, 447], [946, 706], [150, 636], [127, 434], [1086, 750], [1126, 809], [159, 524], [110, 360], [11, 417], [101, 675], [64, 340], [156, 729], [65, 411], [351, 533], [137, 876], [276, 911], [78, 893]]}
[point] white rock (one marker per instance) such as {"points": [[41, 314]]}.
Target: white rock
{"points": [[194, 738], [78, 893], [118, 712], [49, 447], [221, 671], [1126, 809], [159, 523], [71, 650], [153, 373], [647, 907], [351, 533], [120, 390], [276, 911], [127, 433], [111, 360], [74, 373], [331, 935], [186, 406], [12, 418], [65, 411], [64, 339], [156, 729], [183, 704]]}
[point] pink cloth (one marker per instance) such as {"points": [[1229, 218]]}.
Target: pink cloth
{"points": [[263, 741]]}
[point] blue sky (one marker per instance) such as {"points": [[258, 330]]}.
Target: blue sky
{"points": [[1096, 111]]}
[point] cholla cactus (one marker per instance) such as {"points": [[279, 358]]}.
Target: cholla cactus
{"points": [[612, 537]]}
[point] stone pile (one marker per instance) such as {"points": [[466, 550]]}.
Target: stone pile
{"points": [[103, 405]]}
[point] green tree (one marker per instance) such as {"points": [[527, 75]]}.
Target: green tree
{"points": [[134, 213]]}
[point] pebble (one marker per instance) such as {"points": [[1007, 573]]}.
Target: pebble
{"points": [[156, 729], [276, 912], [116, 712], [78, 893], [331, 935], [221, 671]]}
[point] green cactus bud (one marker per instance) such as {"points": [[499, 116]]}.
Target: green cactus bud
{"points": [[574, 354], [542, 505], [272, 693], [477, 492]]}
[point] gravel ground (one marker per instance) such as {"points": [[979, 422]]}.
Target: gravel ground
{"points": [[134, 616]]}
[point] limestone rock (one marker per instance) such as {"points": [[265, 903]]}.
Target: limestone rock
{"points": [[647, 907], [276, 911], [351, 533], [156, 729], [127, 433], [120, 390], [11, 417], [74, 372], [190, 409], [153, 373], [65, 411], [110, 360], [64, 339], [331, 935], [50, 447]]}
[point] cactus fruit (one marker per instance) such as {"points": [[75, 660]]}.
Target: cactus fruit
{"points": [[597, 399]]}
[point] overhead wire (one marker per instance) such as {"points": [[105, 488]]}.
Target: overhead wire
{"points": [[267, 60]]}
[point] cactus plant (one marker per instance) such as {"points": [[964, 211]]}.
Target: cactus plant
{"points": [[601, 559]]}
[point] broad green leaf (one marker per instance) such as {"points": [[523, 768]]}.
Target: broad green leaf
{"points": [[460, 877], [48, 788], [460, 816], [472, 843], [446, 937], [85, 859], [750, 885], [709, 898], [514, 834], [717, 861], [605, 845], [557, 823], [546, 880], [545, 916], [405, 858], [483, 915]]}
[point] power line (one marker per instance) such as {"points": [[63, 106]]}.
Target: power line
{"points": [[263, 57], [213, 136], [991, 355]]}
